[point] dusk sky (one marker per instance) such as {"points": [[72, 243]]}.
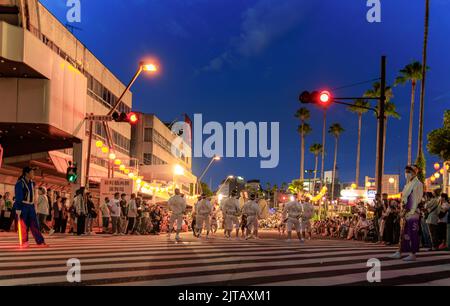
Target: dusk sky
{"points": [[236, 60]]}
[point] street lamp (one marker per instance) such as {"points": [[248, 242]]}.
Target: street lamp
{"points": [[199, 180], [149, 67]]}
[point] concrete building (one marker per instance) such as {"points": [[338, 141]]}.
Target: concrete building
{"points": [[161, 159], [49, 82]]}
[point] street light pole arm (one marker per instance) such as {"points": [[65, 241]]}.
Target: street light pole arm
{"points": [[138, 72], [353, 105]]}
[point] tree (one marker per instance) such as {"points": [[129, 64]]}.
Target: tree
{"points": [[420, 155], [360, 111], [303, 114], [411, 73], [284, 186], [439, 140], [296, 186], [316, 149], [375, 92], [336, 130], [206, 190]]}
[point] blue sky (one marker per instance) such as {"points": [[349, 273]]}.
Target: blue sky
{"points": [[235, 60]]}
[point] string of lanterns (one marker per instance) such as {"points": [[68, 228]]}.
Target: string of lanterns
{"points": [[141, 186], [439, 171]]}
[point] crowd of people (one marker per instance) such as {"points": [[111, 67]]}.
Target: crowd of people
{"points": [[417, 220]]}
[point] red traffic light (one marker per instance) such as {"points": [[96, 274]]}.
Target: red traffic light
{"points": [[133, 118], [325, 97], [322, 98]]}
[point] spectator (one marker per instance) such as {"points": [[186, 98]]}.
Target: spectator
{"points": [[123, 213], [432, 218], [156, 220], [442, 223], [81, 211], [104, 210], [57, 214], [6, 213], [65, 214], [43, 211], [91, 215], [115, 210], [131, 214]]}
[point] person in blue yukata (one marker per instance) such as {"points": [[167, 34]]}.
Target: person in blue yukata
{"points": [[25, 213]]}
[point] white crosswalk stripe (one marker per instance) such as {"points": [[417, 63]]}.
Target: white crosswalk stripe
{"points": [[151, 261]]}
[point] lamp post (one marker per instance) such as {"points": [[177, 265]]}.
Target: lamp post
{"points": [[199, 180], [151, 68]]}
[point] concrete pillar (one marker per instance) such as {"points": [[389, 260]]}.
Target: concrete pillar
{"points": [[79, 157]]}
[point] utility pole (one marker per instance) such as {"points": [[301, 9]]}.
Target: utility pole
{"points": [[381, 120]]}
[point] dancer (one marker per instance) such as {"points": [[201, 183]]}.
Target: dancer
{"points": [[177, 205], [203, 211], [410, 216], [252, 211], [231, 209], [25, 212], [308, 213], [293, 211]]}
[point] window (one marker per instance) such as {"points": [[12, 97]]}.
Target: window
{"points": [[148, 134]]}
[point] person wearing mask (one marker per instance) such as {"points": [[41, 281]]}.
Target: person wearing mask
{"points": [[432, 217], [139, 216], [293, 211], [7, 212], [25, 212], [81, 211], [252, 211], [131, 214], [442, 223], [91, 215], [203, 210], [123, 214], [42, 209], [411, 198], [115, 210], [425, 232], [104, 210], [177, 205], [231, 209]]}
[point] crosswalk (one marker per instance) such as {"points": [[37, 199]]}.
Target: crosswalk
{"points": [[156, 261]]}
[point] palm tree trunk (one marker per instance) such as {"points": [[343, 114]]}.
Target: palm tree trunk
{"points": [[334, 169], [384, 147], [302, 158], [411, 122], [315, 171], [322, 174], [358, 153], [424, 72], [376, 154]]}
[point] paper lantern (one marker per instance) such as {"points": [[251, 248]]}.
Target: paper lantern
{"points": [[99, 143]]}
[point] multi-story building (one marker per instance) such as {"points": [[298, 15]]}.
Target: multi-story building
{"points": [[49, 82], [161, 156]]}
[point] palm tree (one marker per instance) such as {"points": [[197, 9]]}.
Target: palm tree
{"points": [[375, 92], [303, 114], [336, 130], [411, 73], [316, 149], [284, 186], [420, 157], [296, 186], [359, 108]]}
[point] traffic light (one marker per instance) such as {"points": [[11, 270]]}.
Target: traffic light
{"points": [[72, 173], [131, 118], [322, 98]]}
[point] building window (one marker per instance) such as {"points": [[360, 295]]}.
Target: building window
{"points": [[148, 135]]}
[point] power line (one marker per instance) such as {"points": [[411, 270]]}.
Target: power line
{"points": [[355, 84]]}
